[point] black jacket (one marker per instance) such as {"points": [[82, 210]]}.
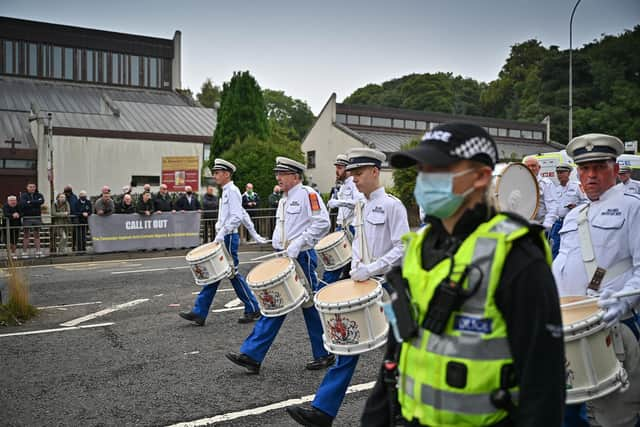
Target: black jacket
{"points": [[80, 207], [209, 205], [125, 209], [183, 203], [528, 300], [30, 203], [163, 203], [144, 206], [8, 211]]}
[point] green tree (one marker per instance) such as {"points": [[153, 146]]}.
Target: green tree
{"points": [[209, 94], [290, 117], [255, 159], [242, 113], [404, 180]]}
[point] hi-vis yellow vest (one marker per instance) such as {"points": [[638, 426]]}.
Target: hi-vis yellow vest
{"points": [[447, 379]]}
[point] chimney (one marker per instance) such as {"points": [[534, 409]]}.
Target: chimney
{"points": [[176, 63]]}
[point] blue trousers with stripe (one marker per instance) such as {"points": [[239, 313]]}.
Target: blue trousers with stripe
{"points": [[266, 329], [206, 295]]}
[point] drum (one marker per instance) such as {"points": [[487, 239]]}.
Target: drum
{"points": [[515, 189], [592, 369], [334, 250], [278, 286], [210, 263], [352, 320]]}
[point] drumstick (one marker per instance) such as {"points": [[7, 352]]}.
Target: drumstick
{"points": [[591, 300], [256, 243], [272, 255]]}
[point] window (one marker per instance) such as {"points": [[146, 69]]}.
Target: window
{"points": [[410, 124], [57, 62], [537, 135], [311, 159], [33, 59], [89, 67], [8, 57], [527, 134], [514, 133], [104, 68], [153, 72], [493, 131], [353, 120], [115, 76], [68, 63], [140, 180], [365, 120], [381, 122], [341, 118], [135, 71], [398, 124], [502, 132], [420, 125], [19, 164]]}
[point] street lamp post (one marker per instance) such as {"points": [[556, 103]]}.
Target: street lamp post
{"points": [[571, 70]]}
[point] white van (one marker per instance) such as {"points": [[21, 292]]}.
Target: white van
{"points": [[633, 161], [549, 161]]}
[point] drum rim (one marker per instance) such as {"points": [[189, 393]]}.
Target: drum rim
{"points": [[196, 260], [535, 180], [377, 292], [608, 386], [577, 327], [332, 245], [262, 284]]}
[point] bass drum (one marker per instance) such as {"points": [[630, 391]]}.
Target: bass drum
{"points": [[515, 189]]}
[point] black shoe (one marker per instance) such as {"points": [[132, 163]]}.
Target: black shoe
{"points": [[245, 361], [321, 363], [191, 316], [310, 417], [249, 317]]}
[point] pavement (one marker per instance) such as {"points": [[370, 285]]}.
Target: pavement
{"points": [[108, 348]]}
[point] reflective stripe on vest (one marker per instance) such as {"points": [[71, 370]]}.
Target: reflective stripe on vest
{"points": [[465, 346]]}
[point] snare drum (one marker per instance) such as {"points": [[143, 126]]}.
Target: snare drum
{"points": [[515, 189], [209, 263], [277, 286], [352, 320], [334, 250], [592, 369]]}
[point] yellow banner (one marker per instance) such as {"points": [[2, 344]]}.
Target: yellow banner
{"points": [[179, 163]]}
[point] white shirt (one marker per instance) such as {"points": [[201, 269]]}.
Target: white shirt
{"points": [[614, 223], [631, 186], [349, 193], [547, 208], [570, 194], [230, 210], [301, 223], [385, 222]]}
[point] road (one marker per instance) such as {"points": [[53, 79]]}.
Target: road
{"points": [[141, 364]]}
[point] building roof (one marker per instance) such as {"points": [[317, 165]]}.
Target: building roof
{"points": [[15, 124], [111, 112]]}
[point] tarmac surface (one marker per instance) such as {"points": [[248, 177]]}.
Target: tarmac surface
{"points": [[133, 362]]}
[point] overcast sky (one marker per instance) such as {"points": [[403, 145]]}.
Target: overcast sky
{"points": [[311, 49]]}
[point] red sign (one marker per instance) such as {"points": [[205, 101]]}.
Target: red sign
{"points": [[178, 172]]}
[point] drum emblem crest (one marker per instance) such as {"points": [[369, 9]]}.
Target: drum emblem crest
{"points": [[270, 299], [343, 331], [327, 259], [200, 272]]}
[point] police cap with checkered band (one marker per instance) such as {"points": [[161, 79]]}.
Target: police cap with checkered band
{"points": [[447, 144]]}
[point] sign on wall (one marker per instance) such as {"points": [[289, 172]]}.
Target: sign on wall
{"points": [[180, 171]]}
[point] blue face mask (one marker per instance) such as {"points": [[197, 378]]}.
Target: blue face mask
{"points": [[434, 193]]}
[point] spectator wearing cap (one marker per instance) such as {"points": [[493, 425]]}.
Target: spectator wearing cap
{"points": [[302, 220], [384, 222], [163, 201], [210, 208], [188, 201], [126, 206], [60, 215], [547, 207], [104, 206], [480, 284], [83, 211], [631, 186], [602, 237], [73, 218], [13, 218], [569, 195], [230, 216], [31, 203]]}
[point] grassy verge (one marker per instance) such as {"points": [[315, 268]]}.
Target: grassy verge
{"points": [[16, 309]]}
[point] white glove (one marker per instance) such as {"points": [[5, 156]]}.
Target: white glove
{"points": [[615, 308], [261, 240], [293, 250], [547, 225], [332, 204], [219, 238], [360, 273]]}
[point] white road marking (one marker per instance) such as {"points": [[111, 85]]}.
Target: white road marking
{"points": [[46, 331], [159, 295], [104, 312], [219, 290], [147, 270], [69, 305], [233, 303], [262, 409], [222, 310], [191, 352]]}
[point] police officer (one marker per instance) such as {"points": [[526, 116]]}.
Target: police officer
{"points": [[600, 254], [384, 224], [546, 214], [630, 185], [301, 221], [230, 216], [569, 195], [488, 319], [344, 199]]}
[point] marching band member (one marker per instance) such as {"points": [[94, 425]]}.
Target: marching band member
{"points": [[484, 347], [230, 216], [547, 208], [301, 220], [600, 253], [630, 185], [345, 200], [569, 195], [384, 222]]}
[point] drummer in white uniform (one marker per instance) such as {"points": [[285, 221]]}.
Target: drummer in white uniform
{"points": [[600, 255], [569, 195], [384, 224], [630, 185], [301, 221], [546, 214], [344, 199]]}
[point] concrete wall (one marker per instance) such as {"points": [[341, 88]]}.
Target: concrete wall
{"points": [[89, 163]]}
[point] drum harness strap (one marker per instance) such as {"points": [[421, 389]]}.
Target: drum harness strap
{"points": [[598, 274]]}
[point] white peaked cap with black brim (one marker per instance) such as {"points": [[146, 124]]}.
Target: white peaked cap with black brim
{"points": [[285, 164], [360, 157], [223, 165], [594, 147]]}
